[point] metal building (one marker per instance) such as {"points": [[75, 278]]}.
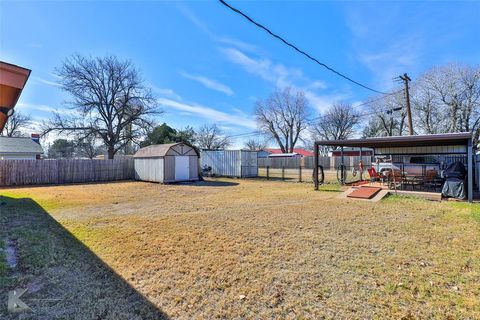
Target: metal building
{"points": [[166, 163], [415, 155], [230, 163]]}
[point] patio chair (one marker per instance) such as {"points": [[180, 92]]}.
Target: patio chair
{"points": [[374, 175], [432, 180], [396, 179]]}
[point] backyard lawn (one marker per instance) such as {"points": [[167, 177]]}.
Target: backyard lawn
{"points": [[235, 249]]}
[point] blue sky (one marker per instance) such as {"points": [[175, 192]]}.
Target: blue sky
{"points": [[208, 65]]}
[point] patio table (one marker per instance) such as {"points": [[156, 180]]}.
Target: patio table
{"points": [[413, 181]]}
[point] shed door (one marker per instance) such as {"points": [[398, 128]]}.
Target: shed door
{"points": [[182, 168]]}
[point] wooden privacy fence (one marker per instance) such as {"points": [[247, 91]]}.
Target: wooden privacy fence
{"points": [[58, 171], [328, 163]]}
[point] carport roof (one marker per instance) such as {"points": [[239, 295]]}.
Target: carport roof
{"points": [[403, 141]]}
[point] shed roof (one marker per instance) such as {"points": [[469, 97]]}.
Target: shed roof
{"points": [[19, 145], [444, 139], [157, 150]]}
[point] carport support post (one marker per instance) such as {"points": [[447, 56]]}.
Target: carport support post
{"points": [[361, 160], [342, 170], [315, 165], [470, 170]]}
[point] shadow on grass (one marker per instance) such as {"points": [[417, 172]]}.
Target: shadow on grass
{"points": [[212, 183], [66, 184], [286, 179], [64, 278]]}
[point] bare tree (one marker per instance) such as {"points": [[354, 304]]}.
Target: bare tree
{"points": [[373, 129], [211, 137], [255, 145], [15, 124], [283, 117], [389, 115], [338, 123], [109, 101], [428, 117], [87, 147], [454, 90]]}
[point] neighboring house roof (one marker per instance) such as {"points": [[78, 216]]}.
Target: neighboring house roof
{"points": [[17, 145], [161, 150], [279, 155], [300, 151]]}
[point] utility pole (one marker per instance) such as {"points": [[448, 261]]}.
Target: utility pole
{"points": [[406, 79]]}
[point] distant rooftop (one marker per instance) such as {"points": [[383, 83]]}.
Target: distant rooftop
{"points": [[19, 145], [300, 151]]}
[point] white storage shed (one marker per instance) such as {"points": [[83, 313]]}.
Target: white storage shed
{"points": [[167, 163], [230, 163]]}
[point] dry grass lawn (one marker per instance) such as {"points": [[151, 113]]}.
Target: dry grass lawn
{"points": [[242, 249]]}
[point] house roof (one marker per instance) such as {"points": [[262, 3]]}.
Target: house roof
{"points": [[403, 141], [299, 151], [279, 155], [18, 145], [158, 150]]}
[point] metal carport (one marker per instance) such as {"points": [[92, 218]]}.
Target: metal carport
{"points": [[448, 143]]}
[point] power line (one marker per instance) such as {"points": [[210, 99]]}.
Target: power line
{"points": [[313, 120], [366, 103], [297, 49], [244, 134]]}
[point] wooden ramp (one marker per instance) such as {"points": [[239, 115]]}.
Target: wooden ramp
{"points": [[377, 196], [364, 192]]}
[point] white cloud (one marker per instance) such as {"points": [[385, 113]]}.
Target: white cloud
{"points": [[44, 108], [47, 82], [322, 103], [209, 83], [201, 25], [390, 63], [190, 15], [318, 84], [282, 76], [166, 92], [211, 114], [237, 43], [35, 45], [386, 50]]}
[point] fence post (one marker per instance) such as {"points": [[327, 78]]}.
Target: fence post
{"points": [[268, 172], [283, 173], [300, 173]]}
